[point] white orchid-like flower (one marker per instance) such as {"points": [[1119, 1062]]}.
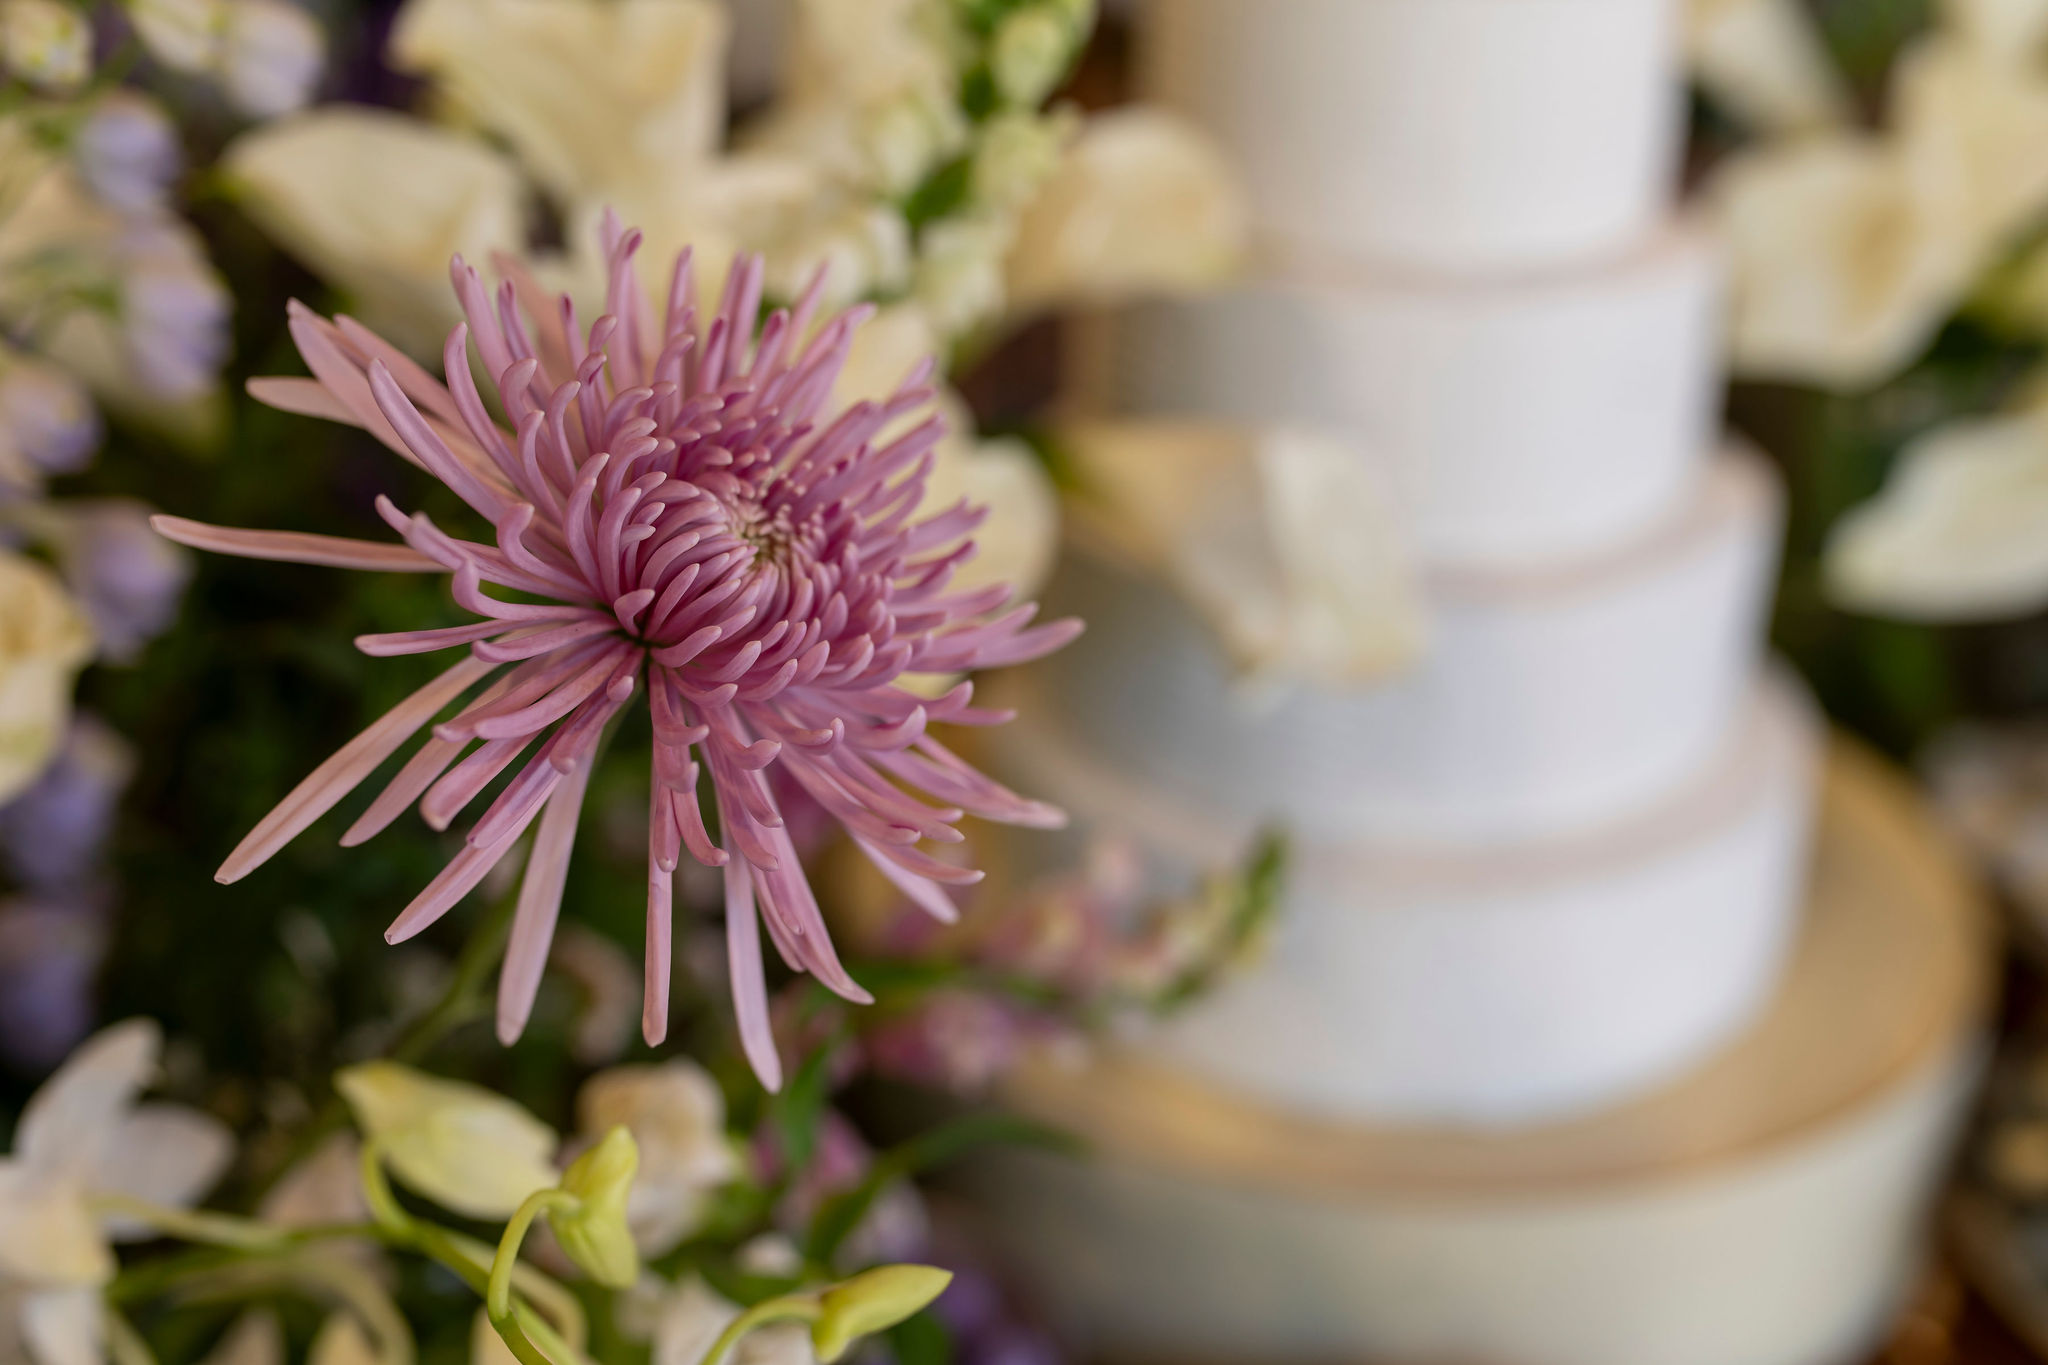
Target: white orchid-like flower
{"points": [[1960, 531], [44, 640], [1141, 204], [377, 203], [592, 98], [682, 1320], [84, 1146], [2009, 30], [469, 1150], [1279, 537], [1764, 62], [677, 1117]]}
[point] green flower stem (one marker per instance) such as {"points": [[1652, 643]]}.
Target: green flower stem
{"points": [[787, 1308], [125, 1345], [498, 1294], [192, 1225], [474, 1263]]}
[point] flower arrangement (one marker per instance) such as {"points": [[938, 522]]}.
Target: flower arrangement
{"points": [[678, 421]]}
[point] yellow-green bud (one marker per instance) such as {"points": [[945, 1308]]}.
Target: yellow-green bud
{"points": [[593, 1231], [1032, 50], [872, 1301], [470, 1151]]}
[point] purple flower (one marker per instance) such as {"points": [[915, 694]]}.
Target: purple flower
{"points": [[127, 578], [128, 152], [53, 832], [49, 961], [698, 526], [47, 418]]}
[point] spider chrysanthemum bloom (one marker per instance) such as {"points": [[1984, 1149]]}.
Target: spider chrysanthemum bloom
{"points": [[695, 524]]}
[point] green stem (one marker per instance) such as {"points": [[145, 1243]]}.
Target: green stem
{"points": [[208, 1229], [787, 1308], [498, 1294], [125, 1345]]}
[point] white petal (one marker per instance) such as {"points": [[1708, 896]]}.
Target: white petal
{"points": [[1281, 538], [325, 1187], [341, 1341], [163, 1154], [48, 1235], [73, 1119], [1765, 62], [1960, 531], [64, 1327], [255, 1339]]}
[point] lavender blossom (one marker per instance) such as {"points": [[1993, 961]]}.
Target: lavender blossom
{"points": [[52, 834], [701, 526], [128, 580], [127, 151], [46, 419]]}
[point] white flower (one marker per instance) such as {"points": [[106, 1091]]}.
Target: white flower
{"points": [[271, 57], [127, 151], [1840, 275], [82, 1135], [44, 641], [959, 276], [593, 95], [1971, 130], [377, 204], [46, 43], [342, 1341], [326, 1186], [1017, 542], [677, 1116], [2009, 30], [1765, 62], [256, 1338], [468, 1150], [185, 35], [683, 1320], [1143, 203], [1032, 50], [1279, 537], [1960, 531]]}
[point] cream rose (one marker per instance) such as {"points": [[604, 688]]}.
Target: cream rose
{"points": [[44, 641]]}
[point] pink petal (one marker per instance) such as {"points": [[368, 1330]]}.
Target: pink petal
{"points": [[295, 547]]}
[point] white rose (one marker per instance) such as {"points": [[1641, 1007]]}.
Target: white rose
{"points": [[593, 95], [272, 56], [44, 641], [377, 203], [1143, 203], [1765, 63]]}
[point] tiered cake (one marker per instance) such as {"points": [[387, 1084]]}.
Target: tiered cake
{"points": [[1543, 885]]}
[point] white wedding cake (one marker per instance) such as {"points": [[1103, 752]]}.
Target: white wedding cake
{"points": [[1557, 858], [1544, 881]]}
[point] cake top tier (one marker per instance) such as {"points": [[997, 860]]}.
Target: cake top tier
{"points": [[1468, 135]]}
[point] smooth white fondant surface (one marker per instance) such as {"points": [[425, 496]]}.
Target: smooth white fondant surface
{"points": [[1548, 702], [1461, 134], [1765, 1209], [1515, 422], [1507, 986]]}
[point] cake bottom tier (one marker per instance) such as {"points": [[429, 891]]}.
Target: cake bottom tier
{"points": [[1495, 986], [1765, 1210]]}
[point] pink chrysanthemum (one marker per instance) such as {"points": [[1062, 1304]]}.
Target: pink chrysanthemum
{"points": [[698, 528]]}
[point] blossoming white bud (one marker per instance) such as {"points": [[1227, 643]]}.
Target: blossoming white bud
{"points": [[47, 43], [127, 151], [593, 1232], [1033, 48], [468, 1150], [959, 280], [873, 1301], [677, 1118], [185, 35], [1019, 150], [272, 56], [44, 641]]}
